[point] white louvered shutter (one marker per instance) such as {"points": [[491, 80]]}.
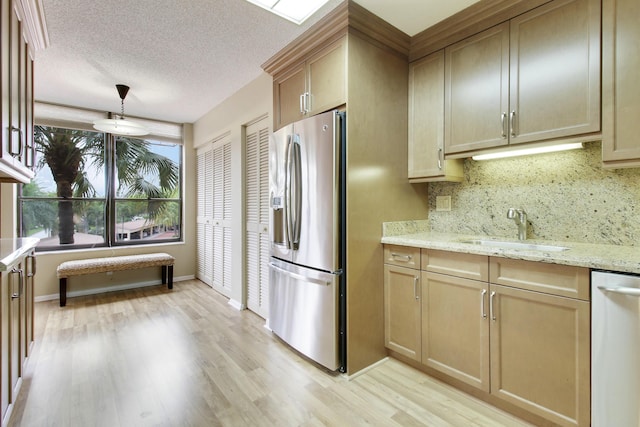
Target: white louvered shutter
{"points": [[204, 230], [257, 217], [222, 209]]}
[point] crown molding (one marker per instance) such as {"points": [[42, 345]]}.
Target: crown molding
{"points": [[348, 17], [472, 20], [31, 14]]}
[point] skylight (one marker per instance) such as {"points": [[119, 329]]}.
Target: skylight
{"points": [[294, 10]]}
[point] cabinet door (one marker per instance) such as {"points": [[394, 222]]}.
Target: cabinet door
{"points": [[426, 123], [5, 60], [327, 80], [540, 353], [402, 310], [29, 288], [5, 347], [621, 88], [555, 71], [287, 92], [14, 133], [455, 328], [477, 91], [14, 330]]}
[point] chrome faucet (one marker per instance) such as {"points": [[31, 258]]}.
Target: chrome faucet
{"points": [[520, 217]]}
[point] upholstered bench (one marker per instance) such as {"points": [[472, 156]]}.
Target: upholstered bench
{"points": [[116, 263]]}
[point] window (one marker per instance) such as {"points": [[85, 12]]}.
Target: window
{"points": [[93, 189]]}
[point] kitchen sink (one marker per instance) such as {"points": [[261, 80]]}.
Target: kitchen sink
{"points": [[516, 245]]}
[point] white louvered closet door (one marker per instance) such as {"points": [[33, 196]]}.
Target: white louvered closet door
{"points": [[257, 217], [204, 230], [222, 216]]}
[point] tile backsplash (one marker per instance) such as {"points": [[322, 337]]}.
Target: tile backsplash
{"points": [[567, 196]]}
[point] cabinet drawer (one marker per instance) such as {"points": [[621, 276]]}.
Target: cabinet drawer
{"points": [[554, 279], [457, 264], [403, 256]]}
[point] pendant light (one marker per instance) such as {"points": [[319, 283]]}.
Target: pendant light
{"points": [[121, 126]]}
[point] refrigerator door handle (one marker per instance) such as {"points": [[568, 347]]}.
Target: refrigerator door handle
{"points": [[299, 276], [287, 193], [297, 192]]}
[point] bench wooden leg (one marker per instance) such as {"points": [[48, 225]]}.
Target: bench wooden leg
{"points": [[63, 292], [167, 275]]}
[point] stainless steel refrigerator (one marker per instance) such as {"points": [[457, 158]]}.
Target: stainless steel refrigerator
{"points": [[307, 268]]}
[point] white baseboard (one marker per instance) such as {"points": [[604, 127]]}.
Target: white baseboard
{"points": [[236, 304], [114, 288]]}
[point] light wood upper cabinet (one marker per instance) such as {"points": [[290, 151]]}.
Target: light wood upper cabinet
{"points": [[16, 74], [534, 78], [555, 71], [311, 87], [288, 91], [426, 123], [477, 91], [621, 88]]}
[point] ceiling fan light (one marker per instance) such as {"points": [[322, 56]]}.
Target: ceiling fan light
{"points": [[120, 127]]}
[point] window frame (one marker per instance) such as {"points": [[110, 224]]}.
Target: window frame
{"points": [[110, 199]]}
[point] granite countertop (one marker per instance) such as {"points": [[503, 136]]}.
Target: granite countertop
{"points": [[12, 250], [604, 257]]}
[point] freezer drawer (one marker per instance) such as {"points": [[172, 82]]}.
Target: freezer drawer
{"points": [[303, 310]]}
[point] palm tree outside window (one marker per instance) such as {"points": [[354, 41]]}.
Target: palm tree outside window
{"points": [[93, 189]]}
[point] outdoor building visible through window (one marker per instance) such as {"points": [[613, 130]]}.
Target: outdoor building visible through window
{"points": [[92, 189]]}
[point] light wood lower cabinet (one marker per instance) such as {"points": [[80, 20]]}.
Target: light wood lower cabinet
{"points": [[506, 327], [540, 348], [455, 335], [402, 308], [17, 329]]}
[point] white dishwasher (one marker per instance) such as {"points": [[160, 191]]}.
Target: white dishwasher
{"points": [[615, 349]]}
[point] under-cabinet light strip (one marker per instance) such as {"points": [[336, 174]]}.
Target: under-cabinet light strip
{"points": [[528, 151]]}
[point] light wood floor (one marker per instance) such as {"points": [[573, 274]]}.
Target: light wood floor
{"points": [[153, 357]]}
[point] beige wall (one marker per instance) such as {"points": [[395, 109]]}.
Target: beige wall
{"points": [[47, 285], [250, 103]]}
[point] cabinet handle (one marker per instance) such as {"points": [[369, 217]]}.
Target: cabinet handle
{"points": [[512, 128], [482, 310], [304, 102], [440, 158], [400, 257], [415, 288], [32, 270], [19, 153], [17, 271], [491, 298], [503, 121], [31, 156]]}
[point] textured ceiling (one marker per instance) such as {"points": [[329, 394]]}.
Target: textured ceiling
{"points": [[180, 58]]}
